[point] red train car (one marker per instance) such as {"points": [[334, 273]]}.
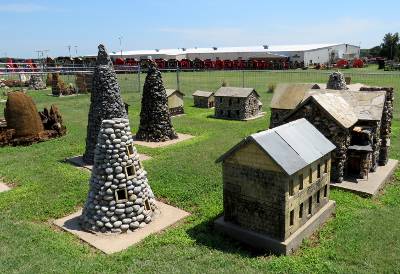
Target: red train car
{"points": [[131, 62], [185, 64], [172, 63], [208, 64], [228, 64], [161, 63], [218, 64], [198, 64]]}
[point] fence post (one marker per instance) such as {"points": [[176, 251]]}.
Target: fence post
{"points": [[177, 78], [243, 78], [139, 86]]}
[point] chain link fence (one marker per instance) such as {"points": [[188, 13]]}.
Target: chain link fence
{"points": [[188, 81]]}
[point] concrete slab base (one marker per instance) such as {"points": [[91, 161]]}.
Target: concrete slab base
{"points": [[261, 114], [78, 161], [373, 184], [109, 243], [181, 137], [264, 242], [4, 187]]}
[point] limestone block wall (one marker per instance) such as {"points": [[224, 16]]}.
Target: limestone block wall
{"points": [[238, 108], [306, 193], [203, 102]]}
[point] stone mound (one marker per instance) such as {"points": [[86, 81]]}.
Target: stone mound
{"points": [[22, 115]]}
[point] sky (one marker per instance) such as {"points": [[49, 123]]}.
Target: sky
{"points": [[28, 26]]}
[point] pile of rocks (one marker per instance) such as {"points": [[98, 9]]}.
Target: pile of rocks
{"points": [[336, 81], [155, 121], [58, 86], [120, 198], [106, 102], [35, 82]]}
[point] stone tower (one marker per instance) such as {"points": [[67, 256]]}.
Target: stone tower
{"points": [[105, 101], [155, 121], [120, 198], [336, 81]]}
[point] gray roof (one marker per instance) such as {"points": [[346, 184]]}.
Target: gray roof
{"points": [[202, 93], [170, 91], [292, 146], [234, 92], [366, 105], [288, 96]]}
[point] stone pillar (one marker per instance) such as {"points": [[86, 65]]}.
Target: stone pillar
{"points": [[155, 121], [120, 197], [105, 101]]}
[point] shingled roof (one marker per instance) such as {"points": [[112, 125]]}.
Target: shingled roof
{"points": [[170, 91], [202, 93], [288, 96], [234, 92], [292, 146]]}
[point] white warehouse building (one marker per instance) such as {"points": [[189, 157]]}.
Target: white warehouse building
{"points": [[309, 54]]}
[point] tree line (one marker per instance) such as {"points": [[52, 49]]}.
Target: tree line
{"points": [[389, 48]]}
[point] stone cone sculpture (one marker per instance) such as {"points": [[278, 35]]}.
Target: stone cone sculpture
{"points": [[336, 81], [105, 101], [155, 121], [120, 198]]}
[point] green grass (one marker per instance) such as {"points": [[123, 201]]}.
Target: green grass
{"points": [[363, 237]]}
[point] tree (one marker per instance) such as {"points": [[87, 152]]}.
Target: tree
{"points": [[390, 45]]}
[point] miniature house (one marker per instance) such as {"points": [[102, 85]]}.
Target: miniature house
{"points": [[276, 186], [355, 121], [175, 101], [203, 99], [237, 103]]}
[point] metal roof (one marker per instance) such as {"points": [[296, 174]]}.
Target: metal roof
{"points": [[288, 96], [234, 92], [170, 91], [273, 50], [202, 93], [292, 146]]}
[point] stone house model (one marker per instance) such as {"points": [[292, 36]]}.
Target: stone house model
{"points": [[175, 101], [356, 121], [276, 186], [237, 103], [203, 99]]}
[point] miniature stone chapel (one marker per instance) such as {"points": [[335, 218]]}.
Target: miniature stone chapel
{"points": [[358, 122], [276, 187]]}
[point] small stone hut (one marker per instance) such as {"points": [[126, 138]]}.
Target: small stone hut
{"points": [[120, 197], [203, 99], [175, 101], [276, 182], [237, 103]]}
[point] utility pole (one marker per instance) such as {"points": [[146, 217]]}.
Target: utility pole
{"points": [[120, 44], [76, 51]]}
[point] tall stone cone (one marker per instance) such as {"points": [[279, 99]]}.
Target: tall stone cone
{"points": [[105, 101], [336, 81], [155, 121], [120, 198]]}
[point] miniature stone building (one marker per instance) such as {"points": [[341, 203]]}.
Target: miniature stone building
{"points": [[83, 82], [155, 121], [353, 120], [203, 99], [175, 101], [105, 101], [275, 183], [286, 98], [24, 125], [35, 82], [237, 103], [120, 198], [336, 81]]}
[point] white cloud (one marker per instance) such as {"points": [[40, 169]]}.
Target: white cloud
{"points": [[21, 8]]}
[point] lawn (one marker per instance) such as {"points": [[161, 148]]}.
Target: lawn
{"points": [[363, 237]]}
